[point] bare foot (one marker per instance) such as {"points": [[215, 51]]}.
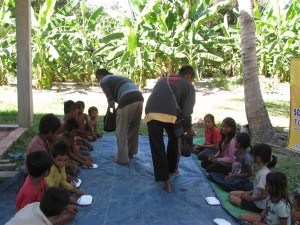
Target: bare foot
{"points": [[167, 186], [115, 160], [176, 173]]}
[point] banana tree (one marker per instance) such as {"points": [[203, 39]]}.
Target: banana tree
{"points": [[183, 34], [278, 39], [7, 42]]}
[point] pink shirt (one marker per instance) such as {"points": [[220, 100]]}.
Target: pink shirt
{"points": [[29, 193], [227, 155], [38, 143]]}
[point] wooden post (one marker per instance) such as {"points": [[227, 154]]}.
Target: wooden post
{"points": [[24, 70]]}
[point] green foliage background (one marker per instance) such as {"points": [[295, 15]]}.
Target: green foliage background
{"points": [[70, 41]]}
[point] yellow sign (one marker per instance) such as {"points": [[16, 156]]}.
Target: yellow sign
{"points": [[294, 131]]}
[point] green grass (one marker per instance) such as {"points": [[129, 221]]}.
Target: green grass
{"points": [[288, 161], [275, 108]]}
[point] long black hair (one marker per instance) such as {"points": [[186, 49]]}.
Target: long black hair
{"points": [[277, 185], [264, 151], [227, 138]]}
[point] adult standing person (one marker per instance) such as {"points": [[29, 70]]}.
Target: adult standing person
{"points": [[121, 90], [161, 113]]}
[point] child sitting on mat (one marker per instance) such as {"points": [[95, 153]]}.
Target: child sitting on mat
{"points": [[48, 128], [70, 111], [38, 164], [222, 161], [57, 176], [93, 120], [85, 130], [255, 201], [278, 205], [212, 139], [239, 177], [50, 210], [69, 137]]}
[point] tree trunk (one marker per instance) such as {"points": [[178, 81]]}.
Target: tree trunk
{"points": [[257, 115]]}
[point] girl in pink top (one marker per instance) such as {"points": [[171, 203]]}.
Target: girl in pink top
{"points": [[212, 139], [222, 161]]}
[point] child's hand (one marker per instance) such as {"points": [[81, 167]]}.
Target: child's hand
{"points": [[72, 201], [246, 197], [229, 176], [78, 192], [72, 209], [73, 184], [210, 158], [191, 132], [87, 163]]}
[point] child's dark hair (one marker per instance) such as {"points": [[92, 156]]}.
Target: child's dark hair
{"points": [[102, 72], [80, 104], [54, 201], [264, 151], [60, 148], [38, 162], [227, 138], [69, 106], [297, 200], [71, 124], [187, 69], [92, 109], [49, 123], [211, 117], [243, 139], [277, 185]]}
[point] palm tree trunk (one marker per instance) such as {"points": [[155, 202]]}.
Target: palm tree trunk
{"points": [[257, 114]]}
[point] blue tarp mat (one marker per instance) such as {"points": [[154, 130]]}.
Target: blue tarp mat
{"points": [[130, 195]]}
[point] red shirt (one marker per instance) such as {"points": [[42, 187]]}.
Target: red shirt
{"points": [[212, 136], [29, 193]]}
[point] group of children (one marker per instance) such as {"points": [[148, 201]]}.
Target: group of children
{"points": [[55, 154], [228, 159], [53, 159]]}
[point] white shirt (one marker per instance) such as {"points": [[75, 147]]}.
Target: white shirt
{"points": [[30, 215]]}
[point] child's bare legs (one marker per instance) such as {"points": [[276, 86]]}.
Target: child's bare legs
{"points": [[250, 217], [235, 197]]}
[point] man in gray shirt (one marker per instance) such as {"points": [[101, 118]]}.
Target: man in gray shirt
{"points": [[161, 113], [130, 101]]}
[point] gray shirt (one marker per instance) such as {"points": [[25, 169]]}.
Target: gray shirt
{"points": [[161, 99]]}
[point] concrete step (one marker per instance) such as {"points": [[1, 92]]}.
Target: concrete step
{"points": [[2, 161], [8, 166], [5, 175]]}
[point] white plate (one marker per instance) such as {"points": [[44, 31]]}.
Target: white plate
{"points": [[212, 201], [221, 221], [94, 166], [77, 182], [85, 200]]}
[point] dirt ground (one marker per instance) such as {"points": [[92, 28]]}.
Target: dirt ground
{"points": [[221, 103]]}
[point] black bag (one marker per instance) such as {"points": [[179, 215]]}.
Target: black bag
{"points": [[179, 127], [109, 120], [185, 145]]}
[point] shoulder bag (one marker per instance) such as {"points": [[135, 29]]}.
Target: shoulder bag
{"points": [[185, 142], [109, 120]]}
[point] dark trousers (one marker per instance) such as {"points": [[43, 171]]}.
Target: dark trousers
{"points": [[216, 167], [163, 162]]}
